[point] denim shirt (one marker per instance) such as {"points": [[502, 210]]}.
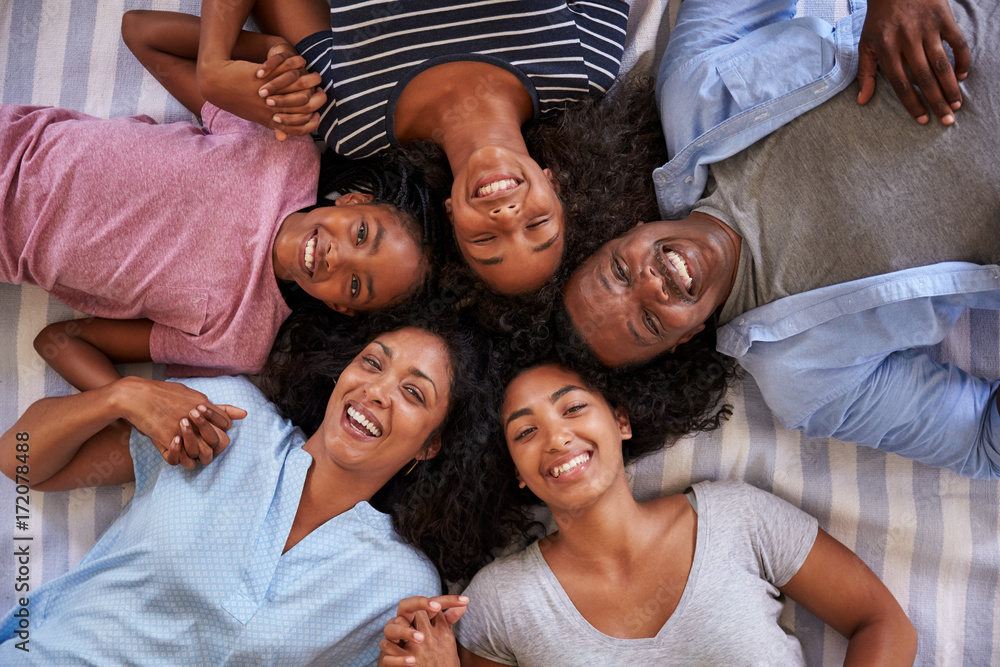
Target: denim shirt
{"points": [[733, 72], [838, 362]]}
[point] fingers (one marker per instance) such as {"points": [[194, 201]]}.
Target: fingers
{"points": [[232, 411], [927, 80], [452, 614], [867, 64], [394, 656], [202, 426], [408, 607], [193, 446], [959, 47], [290, 82], [398, 630]]}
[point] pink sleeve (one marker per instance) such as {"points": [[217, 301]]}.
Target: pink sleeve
{"points": [[218, 121], [207, 354]]}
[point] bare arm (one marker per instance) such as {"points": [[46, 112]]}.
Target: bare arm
{"points": [[168, 45], [73, 437], [836, 586], [85, 352]]}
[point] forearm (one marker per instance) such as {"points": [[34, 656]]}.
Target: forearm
{"points": [[888, 642], [222, 36], [84, 352], [57, 428]]}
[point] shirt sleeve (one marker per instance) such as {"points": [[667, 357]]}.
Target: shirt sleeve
{"points": [[482, 629], [601, 25], [229, 354], [784, 534]]}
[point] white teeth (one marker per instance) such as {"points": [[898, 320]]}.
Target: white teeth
{"points": [[490, 188], [360, 419], [569, 465], [310, 251], [681, 266]]}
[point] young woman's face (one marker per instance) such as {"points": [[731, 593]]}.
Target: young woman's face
{"points": [[388, 402], [353, 256], [565, 440], [508, 220]]}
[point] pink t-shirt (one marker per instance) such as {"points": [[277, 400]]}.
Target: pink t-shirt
{"points": [[124, 218]]}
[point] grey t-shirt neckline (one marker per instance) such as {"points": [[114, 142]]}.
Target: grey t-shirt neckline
{"points": [[572, 614]]}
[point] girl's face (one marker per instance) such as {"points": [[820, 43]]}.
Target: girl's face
{"points": [[508, 219], [353, 256], [387, 403], [565, 440]]}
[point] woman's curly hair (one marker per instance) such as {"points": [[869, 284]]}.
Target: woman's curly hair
{"points": [[450, 505], [602, 151]]}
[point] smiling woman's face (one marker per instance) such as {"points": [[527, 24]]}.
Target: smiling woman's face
{"points": [[564, 439], [508, 219], [387, 403]]}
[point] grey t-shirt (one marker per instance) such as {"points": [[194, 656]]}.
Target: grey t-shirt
{"points": [[846, 192], [748, 543]]}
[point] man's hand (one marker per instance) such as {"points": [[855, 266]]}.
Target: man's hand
{"points": [[910, 34]]}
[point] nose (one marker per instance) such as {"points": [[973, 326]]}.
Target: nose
{"points": [[377, 392], [649, 283], [559, 439], [506, 214], [331, 258]]}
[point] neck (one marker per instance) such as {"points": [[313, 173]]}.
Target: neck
{"points": [[464, 106], [610, 529], [331, 490]]}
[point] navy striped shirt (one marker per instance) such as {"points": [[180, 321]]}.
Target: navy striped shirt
{"points": [[561, 51]]}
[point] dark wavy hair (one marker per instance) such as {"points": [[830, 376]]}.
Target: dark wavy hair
{"points": [[448, 506], [664, 400], [392, 182], [603, 151]]}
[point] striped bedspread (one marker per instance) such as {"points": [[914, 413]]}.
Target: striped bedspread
{"points": [[930, 535]]}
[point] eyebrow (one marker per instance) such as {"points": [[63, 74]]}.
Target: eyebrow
{"points": [[546, 245], [420, 374], [385, 348], [635, 334], [489, 261], [379, 235], [556, 395]]}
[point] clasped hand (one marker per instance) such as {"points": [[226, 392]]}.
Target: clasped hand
{"points": [[183, 424], [421, 633], [279, 93], [901, 35]]}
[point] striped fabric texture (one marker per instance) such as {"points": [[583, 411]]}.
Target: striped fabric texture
{"points": [[561, 51], [930, 535]]}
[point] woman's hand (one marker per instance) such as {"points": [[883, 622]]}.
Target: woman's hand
{"points": [[278, 93], [898, 35], [421, 632], [161, 410]]}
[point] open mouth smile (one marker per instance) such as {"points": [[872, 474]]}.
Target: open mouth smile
{"points": [[309, 253], [494, 187], [362, 422], [570, 468]]}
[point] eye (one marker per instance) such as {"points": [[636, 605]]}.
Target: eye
{"points": [[619, 270], [413, 391], [362, 232], [482, 241], [650, 323], [537, 224], [524, 433], [576, 407], [355, 286], [373, 362]]}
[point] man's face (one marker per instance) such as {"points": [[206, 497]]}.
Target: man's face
{"points": [[652, 289]]}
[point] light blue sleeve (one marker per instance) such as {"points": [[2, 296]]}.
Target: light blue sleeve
{"points": [[911, 405]]}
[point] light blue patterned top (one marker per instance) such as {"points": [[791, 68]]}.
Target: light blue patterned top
{"points": [[191, 572], [844, 361], [735, 71]]}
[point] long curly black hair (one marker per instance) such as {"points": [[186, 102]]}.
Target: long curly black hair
{"points": [[449, 506], [603, 151]]}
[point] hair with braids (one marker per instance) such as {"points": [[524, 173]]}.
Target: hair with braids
{"points": [[448, 506]]}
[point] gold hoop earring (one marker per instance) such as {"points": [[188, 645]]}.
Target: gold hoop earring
{"points": [[412, 466]]}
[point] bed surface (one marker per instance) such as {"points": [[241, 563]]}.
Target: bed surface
{"points": [[930, 535]]}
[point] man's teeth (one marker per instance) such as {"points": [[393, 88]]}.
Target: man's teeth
{"points": [[569, 465], [360, 419], [502, 184], [681, 266], [310, 251]]}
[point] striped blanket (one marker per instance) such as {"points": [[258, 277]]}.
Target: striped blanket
{"points": [[930, 535]]}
